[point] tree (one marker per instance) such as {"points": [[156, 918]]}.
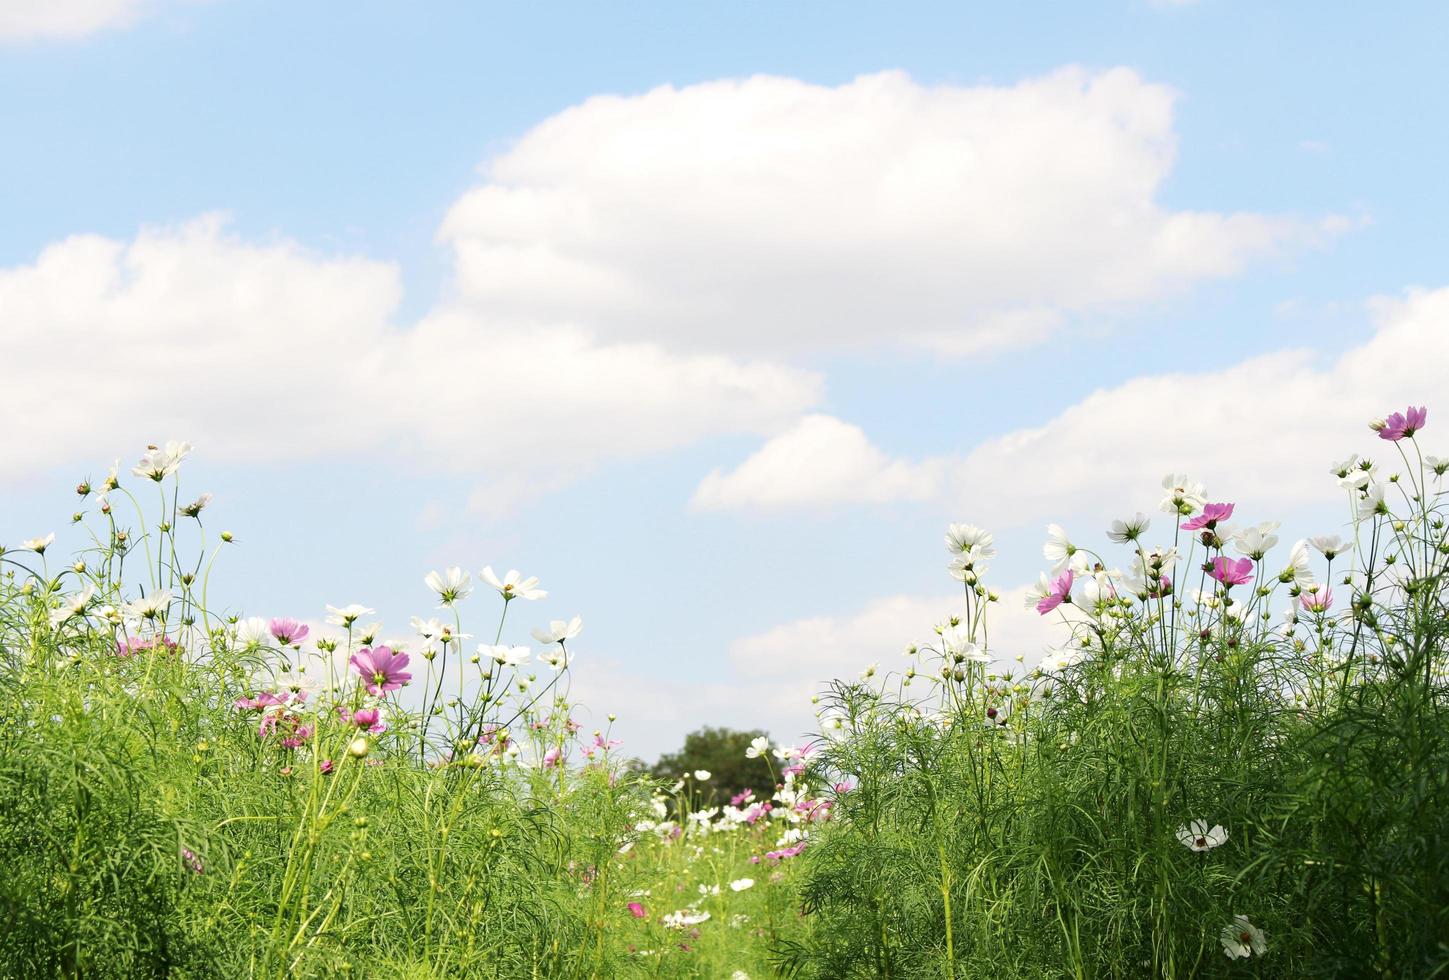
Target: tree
{"points": [[720, 751]]}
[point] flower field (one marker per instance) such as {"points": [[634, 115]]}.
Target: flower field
{"points": [[1235, 763]]}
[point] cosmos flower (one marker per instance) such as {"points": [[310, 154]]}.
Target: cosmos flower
{"points": [[157, 464], [288, 632], [1198, 836], [759, 746], [1373, 502], [513, 585], [1211, 515], [345, 616], [38, 545], [1184, 495], [559, 631], [1129, 530], [1403, 425], [557, 658], [381, 669], [1255, 542], [505, 655], [1060, 659], [1242, 939], [149, 606], [74, 606], [1230, 571], [1331, 546], [742, 884], [637, 910], [1316, 601], [195, 508], [1058, 549], [452, 586], [968, 538], [1055, 592]]}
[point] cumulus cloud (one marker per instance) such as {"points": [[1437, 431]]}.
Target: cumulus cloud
{"points": [[26, 20], [1264, 429], [268, 352], [772, 214]]}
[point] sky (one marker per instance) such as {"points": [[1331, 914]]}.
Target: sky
{"points": [[712, 316]]}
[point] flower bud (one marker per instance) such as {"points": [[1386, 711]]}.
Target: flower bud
{"points": [[358, 747]]}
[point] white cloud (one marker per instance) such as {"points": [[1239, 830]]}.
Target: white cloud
{"points": [[819, 460], [25, 20], [1263, 430], [266, 353], [772, 214]]}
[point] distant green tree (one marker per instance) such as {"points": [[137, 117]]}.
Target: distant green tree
{"points": [[721, 751]]}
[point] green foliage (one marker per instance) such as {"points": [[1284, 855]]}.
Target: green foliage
{"points": [[721, 753]]}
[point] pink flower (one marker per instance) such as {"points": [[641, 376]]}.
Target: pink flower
{"points": [[1059, 592], [381, 669], [134, 644], [262, 701], [1232, 572], [1209, 517], [551, 757], [1316, 602], [637, 910], [288, 632], [1402, 425], [325, 767], [365, 717]]}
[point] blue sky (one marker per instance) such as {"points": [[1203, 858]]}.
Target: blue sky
{"points": [[671, 306]]}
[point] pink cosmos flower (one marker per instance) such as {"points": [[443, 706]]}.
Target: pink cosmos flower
{"points": [[381, 669], [288, 632], [1232, 572], [133, 645], [740, 798], [637, 910], [1060, 592], [1211, 514], [1316, 602], [551, 757], [1404, 425], [325, 767], [262, 701]]}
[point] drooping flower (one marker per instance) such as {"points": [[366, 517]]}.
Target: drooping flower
{"points": [[1232, 571], [1058, 549], [38, 545], [1242, 939], [157, 464], [1198, 836], [1209, 518], [513, 585], [1403, 425], [452, 586], [195, 508], [381, 669], [1054, 592], [1129, 530], [288, 632], [559, 631], [345, 616], [1331, 546], [1316, 601]]}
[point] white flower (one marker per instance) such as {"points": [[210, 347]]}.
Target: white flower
{"points": [[429, 629], [505, 655], [1255, 542], [558, 631], [1198, 836], [758, 747], [1373, 501], [1299, 570], [685, 917], [157, 464], [367, 635], [1439, 466], [1057, 550], [957, 644], [74, 606], [38, 545], [195, 508], [451, 586], [1184, 495], [148, 607], [968, 566], [1128, 530], [702, 775], [742, 884], [347, 615], [1243, 939], [557, 658], [253, 631], [513, 585], [1330, 546], [869, 671], [965, 538], [1060, 659]]}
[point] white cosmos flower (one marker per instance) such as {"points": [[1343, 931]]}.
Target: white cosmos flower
{"points": [[969, 565], [758, 747], [557, 658], [1058, 549], [451, 586], [1299, 570], [1255, 542], [869, 671], [964, 538], [742, 884], [73, 606], [157, 464], [1373, 502], [195, 508], [1129, 530], [1242, 939], [1198, 836], [957, 643], [702, 775], [559, 631], [1437, 465], [345, 616], [253, 631], [38, 545], [513, 585], [684, 917], [1330, 546], [505, 655], [1061, 658], [148, 607], [1184, 494]]}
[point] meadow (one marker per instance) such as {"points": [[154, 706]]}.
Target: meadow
{"points": [[1235, 764]]}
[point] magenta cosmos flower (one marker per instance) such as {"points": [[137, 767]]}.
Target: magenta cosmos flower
{"points": [[381, 669], [1402, 425], [1209, 517], [288, 631], [637, 910], [1059, 591], [1232, 572]]}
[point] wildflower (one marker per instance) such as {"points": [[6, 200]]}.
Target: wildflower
{"points": [[685, 917], [365, 717], [148, 607], [557, 658], [1231, 571], [1315, 601], [559, 631], [959, 647], [288, 632], [74, 606], [1062, 658], [359, 747], [970, 539], [1439, 466], [758, 747], [1242, 939], [326, 767], [1403, 425], [505, 655], [38, 545], [702, 775], [157, 464], [1184, 495], [1197, 836], [514, 585], [1209, 518], [347, 615], [1331, 546], [1373, 503], [381, 669], [742, 884], [637, 910], [451, 586], [1129, 530], [967, 567], [195, 508], [1298, 571], [192, 861], [1058, 550], [869, 671], [1055, 592], [1255, 542]]}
